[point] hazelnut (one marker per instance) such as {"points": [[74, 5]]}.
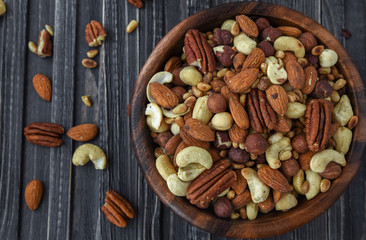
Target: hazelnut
{"points": [[332, 171], [223, 208], [271, 34], [261, 159], [267, 48], [263, 83], [222, 121], [322, 89], [312, 59], [328, 58], [290, 167], [163, 138], [308, 40], [255, 143], [224, 54], [176, 79], [262, 23], [179, 91], [222, 140], [299, 143], [216, 103], [222, 37], [238, 155]]}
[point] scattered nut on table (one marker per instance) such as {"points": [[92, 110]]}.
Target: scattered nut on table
{"points": [[2, 7], [131, 26], [87, 152], [86, 100]]}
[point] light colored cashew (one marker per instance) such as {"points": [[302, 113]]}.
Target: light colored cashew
{"points": [[87, 152], [227, 25], [285, 43], [343, 112], [244, 44], [320, 160], [286, 202], [275, 138], [252, 210], [222, 121], [174, 128], [258, 190], [164, 166], [174, 113], [176, 186], [295, 110], [274, 150], [298, 180], [200, 110], [194, 154], [155, 117], [190, 75], [328, 58], [190, 172], [343, 139], [159, 77], [275, 72], [314, 180]]}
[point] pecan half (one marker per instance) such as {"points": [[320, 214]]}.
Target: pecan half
{"points": [[117, 209], [136, 3], [198, 51], [318, 123], [44, 134], [94, 34], [261, 114], [211, 183]]}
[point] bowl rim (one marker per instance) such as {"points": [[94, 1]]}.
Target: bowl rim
{"points": [[262, 226]]}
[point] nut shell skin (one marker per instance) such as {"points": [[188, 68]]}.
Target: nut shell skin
{"points": [[223, 207], [216, 103], [256, 144], [238, 155]]}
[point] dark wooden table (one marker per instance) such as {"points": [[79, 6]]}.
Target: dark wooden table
{"points": [[70, 208]]}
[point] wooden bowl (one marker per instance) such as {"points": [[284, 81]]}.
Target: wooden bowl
{"points": [[265, 225]]}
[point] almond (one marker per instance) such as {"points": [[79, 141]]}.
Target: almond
{"points": [[311, 76], [83, 132], [247, 25], [277, 98], [276, 196], [254, 59], [42, 85], [198, 130], [33, 194], [290, 31], [274, 179], [295, 74], [241, 200], [281, 124], [163, 95], [242, 81], [237, 134], [239, 114], [172, 145], [305, 159], [240, 184]]}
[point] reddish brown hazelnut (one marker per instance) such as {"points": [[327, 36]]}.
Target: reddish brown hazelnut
{"points": [[332, 171], [322, 89], [271, 34], [179, 91], [262, 23], [225, 55], [312, 59], [222, 140], [261, 159], [299, 143], [222, 37], [290, 167], [223, 207], [308, 40], [267, 48], [256, 144], [163, 138], [216, 103], [238, 155]]}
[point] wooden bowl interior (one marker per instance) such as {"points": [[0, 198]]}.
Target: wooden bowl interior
{"points": [[265, 225]]}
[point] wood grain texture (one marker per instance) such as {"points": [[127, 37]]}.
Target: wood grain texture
{"points": [[73, 195]]}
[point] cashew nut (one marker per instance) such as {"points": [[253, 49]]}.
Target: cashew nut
{"points": [[314, 180], [275, 72], [320, 160], [328, 58], [164, 166], [295, 110], [190, 75], [190, 172], [258, 190], [155, 117], [251, 210], [343, 138], [159, 77], [244, 44], [227, 25], [87, 152], [286, 202], [176, 186], [275, 138], [298, 180], [285, 43], [194, 154], [275, 149], [343, 112], [200, 110], [174, 113]]}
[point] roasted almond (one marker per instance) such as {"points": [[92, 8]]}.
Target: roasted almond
{"points": [[290, 31], [274, 179], [33, 194], [42, 85], [295, 74], [239, 114], [277, 98], [237, 134], [172, 144], [83, 132], [191, 141], [163, 95], [242, 81], [198, 130], [254, 59], [247, 25], [332, 171], [311, 76]]}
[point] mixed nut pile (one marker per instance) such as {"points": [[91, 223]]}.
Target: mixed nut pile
{"points": [[250, 117]]}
